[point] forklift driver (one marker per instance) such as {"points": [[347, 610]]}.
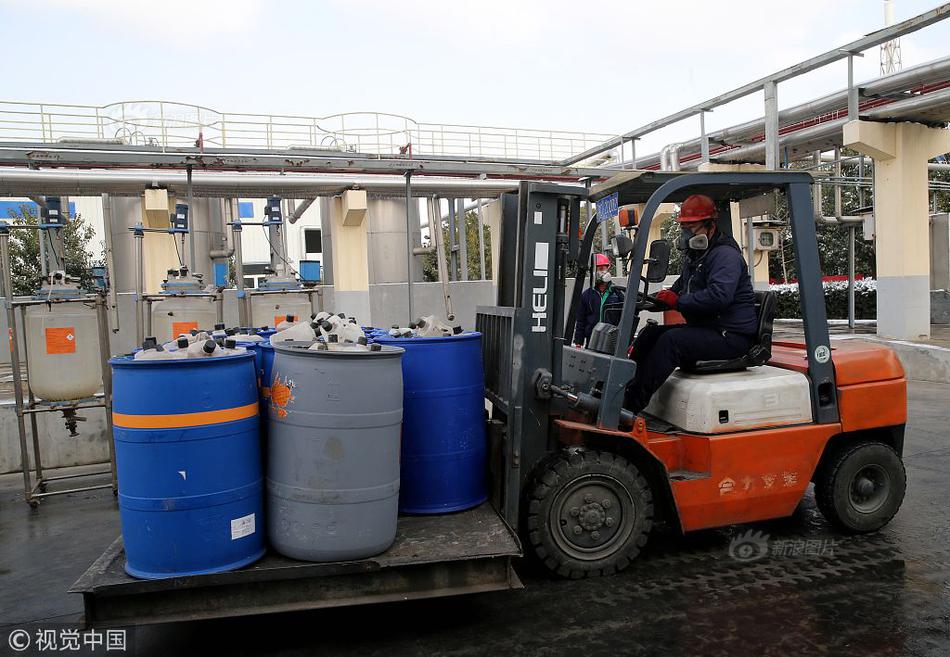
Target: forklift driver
{"points": [[595, 299], [715, 295]]}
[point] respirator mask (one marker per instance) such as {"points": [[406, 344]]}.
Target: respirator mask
{"points": [[693, 242], [604, 276]]}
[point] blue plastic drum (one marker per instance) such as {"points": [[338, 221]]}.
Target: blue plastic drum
{"points": [[443, 461], [189, 464]]}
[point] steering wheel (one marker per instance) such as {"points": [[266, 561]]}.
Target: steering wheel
{"points": [[650, 303]]}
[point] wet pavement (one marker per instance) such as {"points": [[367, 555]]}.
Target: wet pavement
{"points": [[789, 587]]}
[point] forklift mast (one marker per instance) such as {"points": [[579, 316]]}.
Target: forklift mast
{"points": [[525, 332]]}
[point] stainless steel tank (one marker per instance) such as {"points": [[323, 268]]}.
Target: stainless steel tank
{"points": [[386, 240], [333, 452]]}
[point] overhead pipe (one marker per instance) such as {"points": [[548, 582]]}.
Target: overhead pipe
{"points": [[828, 159], [299, 210], [926, 74], [670, 157], [26, 182], [830, 129]]}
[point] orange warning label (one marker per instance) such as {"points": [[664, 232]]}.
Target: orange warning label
{"points": [[61, 340], [281, 394], [183, 327], [278, 319]]}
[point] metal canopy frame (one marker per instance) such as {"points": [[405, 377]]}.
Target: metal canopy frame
{"points": [[728, 186]]}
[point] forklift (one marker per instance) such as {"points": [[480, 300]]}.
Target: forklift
{"points": [[722, 442], [576, 480]]}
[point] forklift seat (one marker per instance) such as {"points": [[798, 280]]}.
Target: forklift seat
{"points": [[759, 353]]}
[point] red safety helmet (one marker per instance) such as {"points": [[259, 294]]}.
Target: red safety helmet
{"points": [[697, 207], [600, 260]]}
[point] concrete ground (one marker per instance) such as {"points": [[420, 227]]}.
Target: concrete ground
{"points": [[816, 593]]}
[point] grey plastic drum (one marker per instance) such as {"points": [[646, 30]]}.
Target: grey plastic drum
{"points": [[333, 452]]}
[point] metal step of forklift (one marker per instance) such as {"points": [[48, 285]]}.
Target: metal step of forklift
{"points": [[433, 556], [687, 475], [656, 425]]}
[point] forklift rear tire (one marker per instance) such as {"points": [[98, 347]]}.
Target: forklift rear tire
{"points": [[861, 488], [589, 513]]}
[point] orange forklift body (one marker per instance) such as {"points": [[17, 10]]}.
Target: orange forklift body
{"points": [[746, 476]]}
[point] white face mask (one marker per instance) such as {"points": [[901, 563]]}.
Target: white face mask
{"points": [[604, 276]]}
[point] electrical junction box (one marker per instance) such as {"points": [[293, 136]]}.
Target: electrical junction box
{"points": [[767, 239], [755, 398], [179, 219], [272, 211], [51, 214], [354, 207]]}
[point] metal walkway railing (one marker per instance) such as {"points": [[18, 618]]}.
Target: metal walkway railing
{"points": [[168, 125]]}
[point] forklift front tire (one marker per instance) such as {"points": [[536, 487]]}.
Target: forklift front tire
{"points": [[589, 513], [861, 488]]}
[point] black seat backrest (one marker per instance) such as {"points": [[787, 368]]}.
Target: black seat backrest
{"points": [[766, 303], [759, 353], [612, 312]]}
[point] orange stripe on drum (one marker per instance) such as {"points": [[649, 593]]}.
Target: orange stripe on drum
{"points": [[182, 420]]}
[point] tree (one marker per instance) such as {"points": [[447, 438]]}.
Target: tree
{"points": [[940, 198], [25, 251], [430, 269]]}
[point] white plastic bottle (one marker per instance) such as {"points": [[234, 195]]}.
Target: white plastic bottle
{"points": [[229, 348], [288, 321], [203, 349], [360, 344], [302, 332], [350, 331], [247, 337], [330, 326], [180, 344], [151, 350]]}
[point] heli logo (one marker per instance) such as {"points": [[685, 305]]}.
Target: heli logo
{"points": [[539, 293]]}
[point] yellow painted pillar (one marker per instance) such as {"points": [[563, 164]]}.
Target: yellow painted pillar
{"points": [[664, 212], [159, 252], [760, 275], [349, 221], [901, 220]]}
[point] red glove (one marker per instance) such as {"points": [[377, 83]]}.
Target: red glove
{"points": [[669, 297]]}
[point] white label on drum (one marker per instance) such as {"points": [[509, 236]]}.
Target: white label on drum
{"points": [[241, 527]]}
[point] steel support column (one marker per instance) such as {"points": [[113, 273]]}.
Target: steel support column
{"points": [[772, 159], [463, 239], [409, 245]]}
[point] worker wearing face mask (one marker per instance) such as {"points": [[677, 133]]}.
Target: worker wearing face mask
{"points": [[595, 299], [714, 294]]}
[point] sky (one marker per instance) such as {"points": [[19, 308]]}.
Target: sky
{"points": [[594, 66]]}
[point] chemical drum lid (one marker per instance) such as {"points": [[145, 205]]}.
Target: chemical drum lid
{"points": [[303, 349], [129, 361], [385, 338]]}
